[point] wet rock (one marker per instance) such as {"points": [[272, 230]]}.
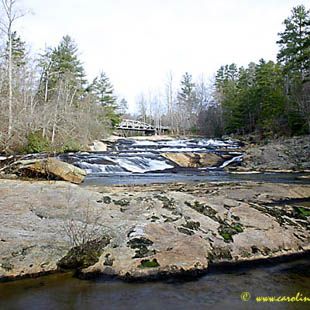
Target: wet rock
{"points": [[194, 160]]}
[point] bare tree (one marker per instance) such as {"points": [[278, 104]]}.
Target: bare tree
{"points": [[170, 99], [142, 107], [11, 14]]}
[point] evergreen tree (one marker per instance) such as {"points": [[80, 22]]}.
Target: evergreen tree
{"points": [[18, 50], [103, 92], [295, 42], [186, 95], [294, 54], [61, 64], [252, 99], [122, 107], [270, 93], [187, 101], [226, 85]]}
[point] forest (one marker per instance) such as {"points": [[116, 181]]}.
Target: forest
{"points": [[47, 104]]}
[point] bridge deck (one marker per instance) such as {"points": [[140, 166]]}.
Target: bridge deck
{"points": [[127, 124]]}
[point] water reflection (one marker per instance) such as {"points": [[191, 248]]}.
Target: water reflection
{"points": [[219, 289]]}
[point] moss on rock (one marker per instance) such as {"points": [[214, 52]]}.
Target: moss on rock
{"points": [[227, 231], [146, 263], [84, 255], [203, 209], [122, 202], [186, 231], [141, 247]]}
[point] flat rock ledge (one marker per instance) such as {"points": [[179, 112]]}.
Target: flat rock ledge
{"points": [[147, 232]]}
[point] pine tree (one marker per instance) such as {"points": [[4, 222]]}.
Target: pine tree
{"points": [[270, 93], [187, 93], [295, 42], [187, 102], [103, 90], [122, 107], [226, 85], [294, 54], [61, 65], [18, 50]]}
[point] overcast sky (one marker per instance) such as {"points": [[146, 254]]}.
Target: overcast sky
{"points": [[138, 42]]}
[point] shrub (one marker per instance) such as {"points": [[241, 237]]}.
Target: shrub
{"points": [[36, 143]]}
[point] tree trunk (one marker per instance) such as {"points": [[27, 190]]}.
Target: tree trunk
{"points": [[10, 102]]}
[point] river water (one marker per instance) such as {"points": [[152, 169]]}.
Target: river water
{"points": [[131, 161], [218, 289]]}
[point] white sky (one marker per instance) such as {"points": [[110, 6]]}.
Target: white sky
{"points": [[138, 42]]}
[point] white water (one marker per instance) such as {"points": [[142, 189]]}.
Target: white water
{"points": [[181, 144], [98, 168], [233, 160], [142, 156], [142, 165]]}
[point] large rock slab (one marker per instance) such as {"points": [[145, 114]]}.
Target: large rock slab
{"points": [[143, 232], [48, 168], [194, 160]]}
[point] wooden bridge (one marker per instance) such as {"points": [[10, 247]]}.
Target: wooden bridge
{"points": [[137, 126]]}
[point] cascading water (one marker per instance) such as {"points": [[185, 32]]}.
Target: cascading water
{"points": [[134, 157]]}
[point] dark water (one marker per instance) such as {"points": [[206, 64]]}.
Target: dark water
{"points": [[187, 176], [218, 289]]}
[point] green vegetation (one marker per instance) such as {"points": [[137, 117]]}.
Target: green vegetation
{"points": [[270, 97], [203, 209], [36, 143], [146, 263], [227, 231], [304, 212], [267, 98]]}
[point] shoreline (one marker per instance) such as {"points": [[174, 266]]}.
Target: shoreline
{"points": [[213, 267]]}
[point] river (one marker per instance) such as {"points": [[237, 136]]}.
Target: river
{"points": [[218, 289], [130, 161]]}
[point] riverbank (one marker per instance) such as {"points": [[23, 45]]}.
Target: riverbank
{"points": [[276, 155], [147, 232]]}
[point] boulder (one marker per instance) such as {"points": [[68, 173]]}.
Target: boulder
{"points": [[49, 168], [194, 160], [98, 146]]}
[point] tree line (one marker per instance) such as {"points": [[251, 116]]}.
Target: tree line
{"points": [[270, 97], [267, 98], [46, 102]]}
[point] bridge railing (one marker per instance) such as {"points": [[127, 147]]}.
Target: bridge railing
{"points": [[128, 124]]}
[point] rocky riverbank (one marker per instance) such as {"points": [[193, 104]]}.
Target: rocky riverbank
{"points": [[283, 154], [140, 232]]}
